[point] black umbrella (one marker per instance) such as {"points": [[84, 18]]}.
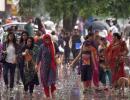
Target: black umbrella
{"points": [[99, 25]]}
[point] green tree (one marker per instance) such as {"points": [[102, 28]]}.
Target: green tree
{"points": [[119, 8], [69, 10], [28, 7]]}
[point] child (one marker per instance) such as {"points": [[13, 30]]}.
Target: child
{"points": [[104, 72]]}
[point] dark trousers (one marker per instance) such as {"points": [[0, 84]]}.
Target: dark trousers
{"points": [[6, 68], [75, 53], [29, 86], [67, 54], [21, 70], [102, 75]]}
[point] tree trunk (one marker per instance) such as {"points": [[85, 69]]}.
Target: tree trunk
{"points": [[69, 22], [70, 17], [67, 25]]}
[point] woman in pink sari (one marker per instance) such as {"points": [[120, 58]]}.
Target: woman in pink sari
{"points": [[115, 58]]}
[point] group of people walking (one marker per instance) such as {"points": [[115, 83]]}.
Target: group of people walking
{"points": [[95, 57], [30, 59], [99, 59]]}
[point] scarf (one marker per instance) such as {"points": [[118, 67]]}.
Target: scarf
{"points": [[51, 47]]}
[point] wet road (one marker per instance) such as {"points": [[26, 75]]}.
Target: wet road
{"points": [[68, 88]]}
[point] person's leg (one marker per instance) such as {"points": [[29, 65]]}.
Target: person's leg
{"points": [[21, 70], [102, 75], [65, 56], [31, 88], [86, 84], [12, 73], [103, 78], [108, 72], [46, 91], [5, 73], [53, 88], [17, 74], [0, 70], [89, 83], [26, 87], [74, 53]]}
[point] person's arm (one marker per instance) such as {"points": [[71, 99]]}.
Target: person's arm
{"points": [[39, 56], [94, 59], [76, 59], [70, 42], [125, 50]]}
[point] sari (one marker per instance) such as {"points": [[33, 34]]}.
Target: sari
{"points": [[95, 67], [115, 60]]}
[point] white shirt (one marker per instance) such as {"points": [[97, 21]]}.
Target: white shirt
{"points": [[10, 53], [114, 29]]}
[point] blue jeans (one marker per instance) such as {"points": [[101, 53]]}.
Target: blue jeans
{"points": [[6, 68], [21, 70]]}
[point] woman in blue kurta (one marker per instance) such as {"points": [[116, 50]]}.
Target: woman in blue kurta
{"points": [[46, 61]]}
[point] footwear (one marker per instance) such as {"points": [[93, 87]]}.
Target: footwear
{"points": [[11, 90], [85, 91], [98, 89], [31, 95], [48, 98], [19, 83], [106, 89], [6, 88], [53, 96], [25, 92]]}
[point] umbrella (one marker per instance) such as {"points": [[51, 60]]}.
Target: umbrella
{"points": [[99, 25], [50, 25]]}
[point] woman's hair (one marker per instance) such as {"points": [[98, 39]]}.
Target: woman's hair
{"points": [[38, 22], [89, 35], [31, 38], [117, 35], [14, 38], [21, 38], [53, 33]]}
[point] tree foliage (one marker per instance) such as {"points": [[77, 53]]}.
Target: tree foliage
{"points": [[69, 10], [28, 7], [119, 8]]}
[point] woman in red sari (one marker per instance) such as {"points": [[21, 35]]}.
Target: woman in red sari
{"points": [[115, 58]]}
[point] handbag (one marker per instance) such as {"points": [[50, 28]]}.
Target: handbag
{"points": [[28, 57]]}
